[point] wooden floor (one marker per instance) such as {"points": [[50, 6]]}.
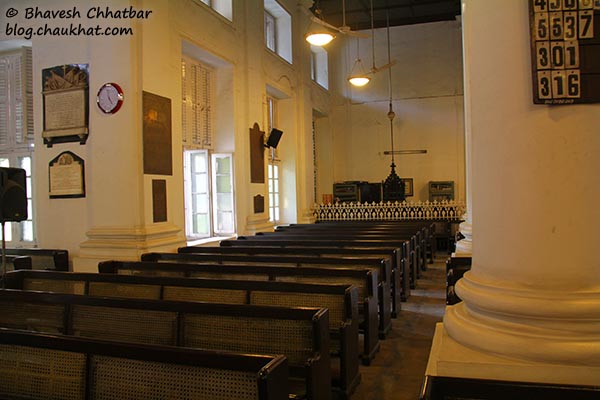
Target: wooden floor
{"points": [[397, 371]]}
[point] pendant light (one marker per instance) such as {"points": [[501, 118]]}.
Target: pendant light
{"points": [[317, 38], [358, 77], [318, 35]]}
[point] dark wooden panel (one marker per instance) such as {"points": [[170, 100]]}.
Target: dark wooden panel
{"points": [[159, 200], [157, 134], [257, 155], [259, 204]]}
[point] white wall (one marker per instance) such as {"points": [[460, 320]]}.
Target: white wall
{"points": [[115, 220], [112, 159], [427, 99]]}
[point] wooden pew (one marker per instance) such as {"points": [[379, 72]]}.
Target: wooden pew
{"points": [[408, 254], [456, 267], [43, 366], [424, 230], [359, 239], [364, 280], [340, 300], [403, 255], [382, 267], [432, 229], [50, 259], [17, 262], [414, 239], [300, 334], [390, 253]]}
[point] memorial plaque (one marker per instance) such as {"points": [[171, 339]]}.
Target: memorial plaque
{"points": [[67, 176], [158, 153], [65, 104]]}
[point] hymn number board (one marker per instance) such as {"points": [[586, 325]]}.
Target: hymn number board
{"points": [[565, 45]]}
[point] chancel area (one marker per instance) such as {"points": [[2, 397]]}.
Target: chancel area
{"points": [[297, 199]]}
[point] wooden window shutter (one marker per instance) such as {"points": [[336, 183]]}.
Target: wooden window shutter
{"points": [[196, 104], [16, 99], [27, 94], [4, 122]]}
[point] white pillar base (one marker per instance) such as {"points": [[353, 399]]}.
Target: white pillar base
{"points": [[448, 358], [549, 326], [307, 217], [464, 247], [125, 244], [258, 223]]}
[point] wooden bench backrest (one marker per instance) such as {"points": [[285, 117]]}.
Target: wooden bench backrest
{"points": [[297, 333], [341, 261], [18, 262], [365, 280], [50, 259], [308, 242], [183, 289], [343, 332], [40, 366]]}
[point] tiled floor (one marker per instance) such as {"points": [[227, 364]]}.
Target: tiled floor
{"points": [[398, 369]]}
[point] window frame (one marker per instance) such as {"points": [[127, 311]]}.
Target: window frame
{"points": [[283, 30], [217, 231], [212, 194], [222, 7], [273, 165], [189, 203], [19, 135], [270, 34], [274, 189], [319, 66]]}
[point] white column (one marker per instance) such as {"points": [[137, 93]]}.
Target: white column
{"points": [[464, 247], [531, 302]]}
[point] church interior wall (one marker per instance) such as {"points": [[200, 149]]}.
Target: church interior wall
{"points": [[427, 98], [350, 124]]}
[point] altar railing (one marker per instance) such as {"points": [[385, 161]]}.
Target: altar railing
{"points": [[388, 211]]}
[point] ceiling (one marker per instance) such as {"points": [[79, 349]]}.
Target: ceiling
{"points": [[401, 12]]}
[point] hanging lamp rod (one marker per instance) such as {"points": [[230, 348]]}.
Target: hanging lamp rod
{"points": [[391, 114]]}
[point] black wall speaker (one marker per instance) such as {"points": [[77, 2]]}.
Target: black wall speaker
{"points": [[274, 138], [13, 195]]}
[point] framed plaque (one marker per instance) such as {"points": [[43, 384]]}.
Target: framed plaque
{"points": [[65, 104], [156, 129], [408, 187], [565, 51], [66, 174], [259, 204]]}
